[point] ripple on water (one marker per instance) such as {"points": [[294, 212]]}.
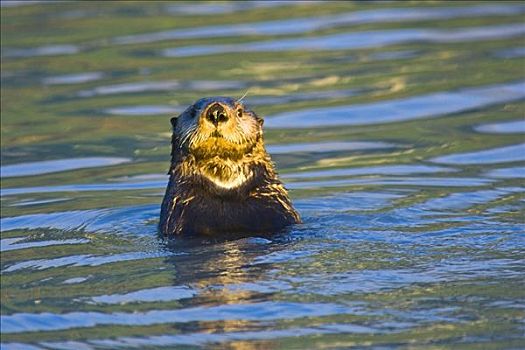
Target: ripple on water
{"points": [[454, 207], [168, 85], [355, 40], [463, 200], [142, 177], [390, 111], [263, 311], [507, 173], [51, 50], [75, 280], [392, 55], [505, 154], [85, 187], [320, 147], [132, 219], [53, 166], [514, 52], [217, 8], [515, 126], [298, 97], [84, 260], [161, 184], [393, 181], [78, 78], [350, 201], [148, 181], [200, 339], [159, 294], [379, 170], [26, 202], [67, 220], [22, 346], [309, 24], [369, 281], [144, 110], [8, 244], [253, 101]]}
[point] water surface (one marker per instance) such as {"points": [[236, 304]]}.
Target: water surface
{"points": [[397, 127]]}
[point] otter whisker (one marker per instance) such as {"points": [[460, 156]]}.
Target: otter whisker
{"points": [[184, 139], [191, 132], [188, 134], [243, 96]]}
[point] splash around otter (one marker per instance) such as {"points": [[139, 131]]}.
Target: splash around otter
{"points": [[222, 180]]}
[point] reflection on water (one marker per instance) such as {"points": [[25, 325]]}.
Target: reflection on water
{"points": [[143, 110], [512, 52], [425, 106], [51, 50], [510, 173], [374, 170], [264, 311], [155, 86], [167, 109], [85, 187], [320, 147], [13, 243], [512, 153], [390, 181], [147, 295], [398, 129], [303, 25], [517, 126], [51, 166], [307, 96], [216, 8], [73, 78], [80, 260], [360, 40]]}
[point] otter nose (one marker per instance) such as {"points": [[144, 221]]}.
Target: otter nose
{"points": [[217, 114]]}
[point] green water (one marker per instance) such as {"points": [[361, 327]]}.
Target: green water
{"points": [[398, 127]]}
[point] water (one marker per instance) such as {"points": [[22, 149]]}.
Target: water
{"points": [[398, 128]]}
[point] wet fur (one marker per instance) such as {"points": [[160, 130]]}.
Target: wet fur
{"points": [[222, 180]]}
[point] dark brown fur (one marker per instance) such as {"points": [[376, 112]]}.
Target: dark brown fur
{"points": [[222, 180]]}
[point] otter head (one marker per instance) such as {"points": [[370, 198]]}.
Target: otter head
{"points": [[216, 127], [215, 141]]}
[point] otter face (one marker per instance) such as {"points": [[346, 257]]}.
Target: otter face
{"points": [[217, 127]]}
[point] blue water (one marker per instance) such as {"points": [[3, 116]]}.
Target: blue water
{"points": [[399, 129]]}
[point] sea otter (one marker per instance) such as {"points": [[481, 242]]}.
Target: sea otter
{"points": [[222, 180]]}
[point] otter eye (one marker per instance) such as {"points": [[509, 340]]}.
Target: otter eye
{"points": [[239, 112]]}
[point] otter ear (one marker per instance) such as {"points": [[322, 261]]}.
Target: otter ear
{"points": [[260, 120], [174, 121]]}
